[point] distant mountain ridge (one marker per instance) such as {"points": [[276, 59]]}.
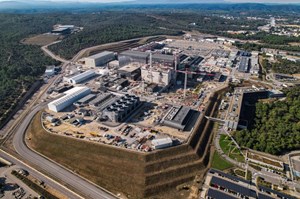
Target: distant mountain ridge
{"points": [[33, 6]]}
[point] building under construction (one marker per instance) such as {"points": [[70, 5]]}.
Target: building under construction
{"points": [[157, 75]]}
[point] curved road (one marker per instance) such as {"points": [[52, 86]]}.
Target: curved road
{"points": [[80, 185], [75, 182]]}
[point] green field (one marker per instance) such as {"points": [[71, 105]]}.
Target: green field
{"points": [[229, 148], [220, 163]]}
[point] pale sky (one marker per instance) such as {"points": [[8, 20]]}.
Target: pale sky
{"points": [[175, 1]]}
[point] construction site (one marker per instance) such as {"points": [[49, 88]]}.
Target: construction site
{"points": [[143, 110], [155, 174], [142, 99]]}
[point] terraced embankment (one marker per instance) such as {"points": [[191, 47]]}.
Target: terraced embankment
{"points": [[137, 175]]}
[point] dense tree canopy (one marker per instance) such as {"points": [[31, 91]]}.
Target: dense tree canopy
{"points": [[277, 126], [282, 66]]}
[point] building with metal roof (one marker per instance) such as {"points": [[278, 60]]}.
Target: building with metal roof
{"points": [[134, 56], [81, 77], [216, 194], [254, 64], [162, 143], [71, 96], [85, 100], [231, 177], [264, 196], [177, 117], [62, 31], [273, 193], [233, 187], [100, 99], [244, 64], [295, 160], [163, 59], [99, 59], [50, 70]]}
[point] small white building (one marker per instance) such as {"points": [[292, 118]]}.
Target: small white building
{"points": [[162, 143], [50, 70], [71, 96], [80, 77], [99, 59]]}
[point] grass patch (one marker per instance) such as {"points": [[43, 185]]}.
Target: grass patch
{"points": [[220, 163], [41, 40], [229, 148], [241, 173]]}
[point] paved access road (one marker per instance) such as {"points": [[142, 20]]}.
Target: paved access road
{"points": [[71, 180], [85, 188]]}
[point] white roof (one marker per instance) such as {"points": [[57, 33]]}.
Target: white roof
{"points": [[70, 94], [162, 141], [82, 75]]}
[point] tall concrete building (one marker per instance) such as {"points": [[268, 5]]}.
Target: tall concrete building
{"points": [[157, 75]]}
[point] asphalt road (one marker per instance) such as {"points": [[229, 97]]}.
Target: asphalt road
{"points": [[80, 185], [75, 182], [71, 180], [38, 175]]}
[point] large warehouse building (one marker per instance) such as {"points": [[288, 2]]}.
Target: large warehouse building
{"points": [[71, 96], [81, 77], [99, 59], [178, 117], [166, 60], [134, 56], [244, 64], [144, 58]]}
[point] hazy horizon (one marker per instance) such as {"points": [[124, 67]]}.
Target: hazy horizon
{"points": [[164, 1]]}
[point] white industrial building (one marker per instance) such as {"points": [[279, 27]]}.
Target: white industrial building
{"points": [[50, 70], [162, 143], [157, 75], [99, 59], [71, 96], [80, 77]]}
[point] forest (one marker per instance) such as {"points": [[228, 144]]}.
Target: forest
{"points": [[277, 126], [108, 27], [21, 65], [282, 66]]}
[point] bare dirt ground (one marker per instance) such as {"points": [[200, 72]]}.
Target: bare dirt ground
{"points": [[41, 40]]}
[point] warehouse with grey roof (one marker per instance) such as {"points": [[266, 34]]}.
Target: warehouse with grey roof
{"points": [[177, 117]]}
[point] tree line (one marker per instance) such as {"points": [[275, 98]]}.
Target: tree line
{"points": [[277, 126]]}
